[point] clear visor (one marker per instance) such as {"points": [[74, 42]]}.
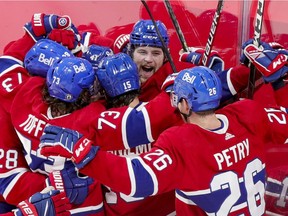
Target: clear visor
{"points": [[173, 99]]}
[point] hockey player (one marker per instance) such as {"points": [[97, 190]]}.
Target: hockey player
{"points": [[271, 62], [144, 45], [235, 79], [68, 87], [146, 50], [37, 65], [118, 75], [13, 75], [215, 160]]}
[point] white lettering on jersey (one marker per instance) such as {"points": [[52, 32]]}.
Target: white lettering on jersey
{"points": [[233, 154], [33, 124], [9, 85], [135, 151]]}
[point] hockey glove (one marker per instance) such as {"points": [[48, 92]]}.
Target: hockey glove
{"points": [[169, 82], [41, 25], [195, 55], [272, 64], [68, 181], [45, 203], [67, 143], [121, 43], [265, 46], [67, 38]]}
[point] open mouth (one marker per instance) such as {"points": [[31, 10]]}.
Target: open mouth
{"points": [[147, 69]]}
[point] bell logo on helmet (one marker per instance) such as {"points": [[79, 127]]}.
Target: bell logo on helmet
{"points": [[79, 68], [46, 61], [188, 79]]}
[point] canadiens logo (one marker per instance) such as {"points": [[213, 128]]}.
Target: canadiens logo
{"points": [[63, 21]]}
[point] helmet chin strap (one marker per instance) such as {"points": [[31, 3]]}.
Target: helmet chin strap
{"points": [[185, 116]]}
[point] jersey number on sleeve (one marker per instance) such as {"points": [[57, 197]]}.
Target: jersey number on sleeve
{"points": [[10, 157]]}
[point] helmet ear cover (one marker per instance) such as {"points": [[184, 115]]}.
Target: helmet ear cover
{"points": [[42, 55], [118, 74], [67, 78], [200, 86]]}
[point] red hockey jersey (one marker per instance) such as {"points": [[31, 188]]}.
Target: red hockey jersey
{"points": [[214, 172]]}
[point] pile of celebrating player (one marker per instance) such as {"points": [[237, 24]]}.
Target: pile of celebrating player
{"points": [[94, 128]]}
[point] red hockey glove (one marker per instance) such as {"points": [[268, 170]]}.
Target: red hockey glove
{"points": [[272, 64], [195, 55], [67, 38], [67, 143], [68, 181], [120, 44], [169, 82], [41, 25], [244, 60], [45, 203], [275, 45]]}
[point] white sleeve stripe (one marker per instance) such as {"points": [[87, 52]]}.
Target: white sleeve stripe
{"points": [[131, 176], [12, 58], [12, 172], [147, 125], [148, 169], [229, 83], [185, 200], [152, 174], [123, 126], [87, 208], [9, 69], [13, 182]]}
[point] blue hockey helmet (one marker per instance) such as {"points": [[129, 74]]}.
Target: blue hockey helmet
{"points": [[42, 55], [118, 74], [200, 86], [67, 78], [96, 53], [144, 34]]}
